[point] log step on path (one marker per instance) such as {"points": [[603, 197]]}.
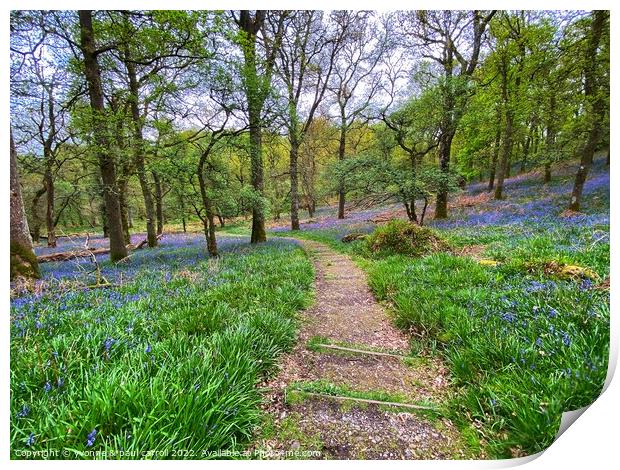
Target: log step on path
{"points": [[372, 403]]}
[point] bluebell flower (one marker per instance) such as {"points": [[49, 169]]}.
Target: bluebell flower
{"points": [[30, 440], [25, 411], [539, 342], [60, 382], [47, 387], [565, 339], [552, 313], [90, 439], [509, 317], [107, 344], [148, 348]]}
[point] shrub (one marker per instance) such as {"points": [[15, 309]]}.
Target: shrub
{"points": [[406, 238]]}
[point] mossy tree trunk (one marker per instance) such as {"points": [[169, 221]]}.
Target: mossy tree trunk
{"points": [[23, 260]]}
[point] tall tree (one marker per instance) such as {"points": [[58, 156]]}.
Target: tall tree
{"points": [[355, 79], [510, 57], [306, 61], [257, 76], [594, 72], [39, 94], [23, 261], [442, 37], [101, 133], [153, 48]]}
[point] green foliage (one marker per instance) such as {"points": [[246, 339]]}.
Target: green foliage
{"points": [[400, 237]]}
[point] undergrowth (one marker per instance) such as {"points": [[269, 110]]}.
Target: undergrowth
{"points": [[168, 362]]}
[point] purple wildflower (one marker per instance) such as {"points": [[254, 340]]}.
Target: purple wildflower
{"points": [[90, 439], [25, 411], [47, 387], [107, 344], [565, 339], [509, 317]]}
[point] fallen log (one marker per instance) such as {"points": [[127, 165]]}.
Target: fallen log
{"points": [[85, 253], [67, 255]]}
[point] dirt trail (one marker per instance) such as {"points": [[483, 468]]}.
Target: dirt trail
{"points": [[346, 315]]}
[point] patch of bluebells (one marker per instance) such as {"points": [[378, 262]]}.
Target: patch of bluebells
{"points": [[176, 251], [326, 219], [527, 319], [528, 203]]}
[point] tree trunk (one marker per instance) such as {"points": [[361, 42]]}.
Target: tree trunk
{"points": [[49, 213], [122, 197], [341, 153], [446, 134], [311, 208], [134, 97], [526, 152], [445, 145], [507, 143], [207, 221], [498, 136], [597, 113], [256, 156], [36, 217], [48, 177], [550, 139], [105, 228], [256, 95], [424, 207], [23, 260], [509, 164], [159, 203], [294, 154], [107, 166]]}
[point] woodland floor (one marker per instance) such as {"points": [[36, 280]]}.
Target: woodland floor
{"points": [[305, 416]]}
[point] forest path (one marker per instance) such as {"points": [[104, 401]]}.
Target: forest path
{"points": [[332, 392]]}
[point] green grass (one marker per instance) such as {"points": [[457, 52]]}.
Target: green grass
{"points": [[503, 330], [523, 347], [161, 364]]}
